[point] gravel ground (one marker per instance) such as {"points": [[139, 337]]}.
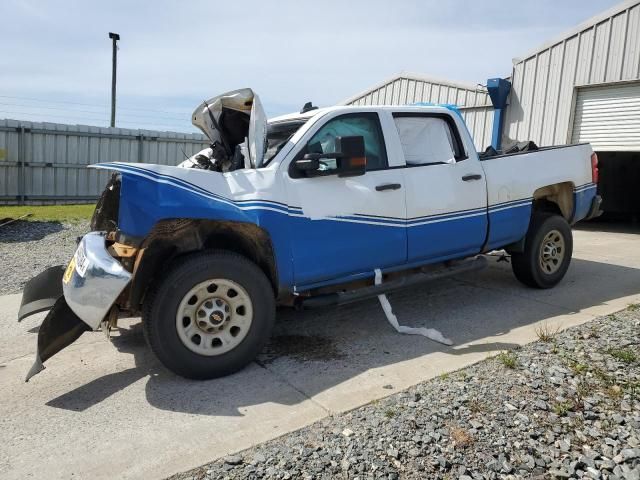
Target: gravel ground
{"points": [[27, 248], [567, 407]]}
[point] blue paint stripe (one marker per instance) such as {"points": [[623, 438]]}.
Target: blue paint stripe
{"points": [[242, 204], [292, 210], [584, 189], [501, 207], [134, 169], [590, 184]]}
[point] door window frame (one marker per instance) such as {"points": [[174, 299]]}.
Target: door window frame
{"points": [[320, 124]]}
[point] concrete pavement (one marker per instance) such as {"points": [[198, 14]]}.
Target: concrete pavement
{"points": [[104, 410]]}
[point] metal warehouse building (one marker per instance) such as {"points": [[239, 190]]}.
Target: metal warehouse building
{"points": [[407, 88], [581, 87]]}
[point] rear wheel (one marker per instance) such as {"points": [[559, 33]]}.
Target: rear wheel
{"points": [[210, 315], [547, 252]]}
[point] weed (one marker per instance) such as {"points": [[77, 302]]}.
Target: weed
{"points": [[614, 391], [390, 413], [633, 307], [578, 368], [444, 376], [476, 406], [633, 388], [461, 437], [623, 355], [508, 359], [603, 376], [583, 388], [546, 333], [562, 408]]}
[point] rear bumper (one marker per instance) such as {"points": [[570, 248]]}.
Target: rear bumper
{"points": [[594, 210], [93, 280]]}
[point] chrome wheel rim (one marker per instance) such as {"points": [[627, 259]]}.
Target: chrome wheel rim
{"points": [[552, 251], [214, 317]]}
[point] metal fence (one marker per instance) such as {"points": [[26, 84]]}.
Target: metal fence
{"points": [[46, 162]]}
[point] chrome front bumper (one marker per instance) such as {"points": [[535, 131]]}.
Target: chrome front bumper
{"points": [[78, 298], [93, 280]]}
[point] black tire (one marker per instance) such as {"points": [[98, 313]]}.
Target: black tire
{"points": [[162, 302], [527, 266]]}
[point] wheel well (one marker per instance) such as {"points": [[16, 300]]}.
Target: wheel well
{"points": [[556, 198], [171, 239]]}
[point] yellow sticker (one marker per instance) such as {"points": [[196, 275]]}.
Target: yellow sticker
{"points": [[3, 153], [68, 273]]}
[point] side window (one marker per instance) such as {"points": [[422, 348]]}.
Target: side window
{"points": [[426, 140], [365, 125]]}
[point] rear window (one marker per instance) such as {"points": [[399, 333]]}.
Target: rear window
{"points": [[426, 140]]}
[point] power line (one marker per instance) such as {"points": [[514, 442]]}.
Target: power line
{"points": [[102, 120], [65, 109], [104, 106]]}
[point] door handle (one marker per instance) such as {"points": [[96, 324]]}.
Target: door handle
{"points": [[472, 176], [388, 186]]}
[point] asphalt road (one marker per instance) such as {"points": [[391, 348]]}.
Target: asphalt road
{"points": [[105, 410]]}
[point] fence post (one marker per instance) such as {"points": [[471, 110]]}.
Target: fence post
{"points": [[141, 148], [22, 177]]}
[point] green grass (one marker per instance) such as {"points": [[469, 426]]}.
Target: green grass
{"points": [[49, 213], [623, 354], [390, 413], [508, 359], [561, 408]]}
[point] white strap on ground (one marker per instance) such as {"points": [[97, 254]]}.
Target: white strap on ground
{"points": [[431, 333]]}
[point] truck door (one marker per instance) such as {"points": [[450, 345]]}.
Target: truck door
{"points": [[446, 189], [345, 227]]}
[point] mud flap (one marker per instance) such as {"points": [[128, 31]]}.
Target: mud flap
{"points": [[41, 292], [60, 328]]}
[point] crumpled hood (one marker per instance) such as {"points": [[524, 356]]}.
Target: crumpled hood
{"points": [[232, 117]]}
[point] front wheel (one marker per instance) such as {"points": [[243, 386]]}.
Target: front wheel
{"points": [[547, 252], [210, 315]]}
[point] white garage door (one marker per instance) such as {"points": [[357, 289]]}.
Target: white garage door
{"points": [[608, 118]]}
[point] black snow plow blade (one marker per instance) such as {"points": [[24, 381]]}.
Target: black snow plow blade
{"points": [[61, 327]]}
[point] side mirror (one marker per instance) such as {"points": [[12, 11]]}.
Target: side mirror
{"points": [[352, 161], [348, 160]]}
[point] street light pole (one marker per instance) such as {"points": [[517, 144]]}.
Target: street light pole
{"points": [[114, 37]]}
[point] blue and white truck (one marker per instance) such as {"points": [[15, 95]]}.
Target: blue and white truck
{"points": [[301, 211]]}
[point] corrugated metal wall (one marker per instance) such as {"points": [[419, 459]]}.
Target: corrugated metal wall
{"points": [[46, 162], [474, 102], [479, 121], [543, 94]]}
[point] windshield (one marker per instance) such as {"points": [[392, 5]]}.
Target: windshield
{"points": [[278, 134]]}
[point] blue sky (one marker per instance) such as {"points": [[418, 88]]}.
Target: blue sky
{"points": [[56, 55]]}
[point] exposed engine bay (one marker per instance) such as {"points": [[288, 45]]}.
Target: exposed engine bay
{"points": [[236, 126]]}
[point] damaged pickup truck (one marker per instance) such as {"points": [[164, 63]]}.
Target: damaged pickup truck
{"points": [[302, 211]]}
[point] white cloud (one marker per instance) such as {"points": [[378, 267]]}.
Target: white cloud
{"points": [[174, 54]]}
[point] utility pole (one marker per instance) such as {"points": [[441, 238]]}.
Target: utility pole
{"points": [[114, 37]]}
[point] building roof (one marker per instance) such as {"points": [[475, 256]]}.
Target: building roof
{"points": [[417, 77], [586, 25]]}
